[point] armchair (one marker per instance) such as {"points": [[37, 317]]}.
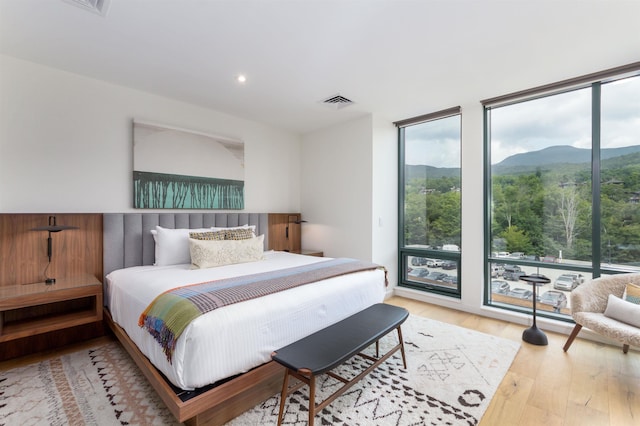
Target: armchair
{"points": [[588, 303]]}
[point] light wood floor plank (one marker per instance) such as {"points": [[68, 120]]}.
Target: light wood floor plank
{"points": [[591, 384]]}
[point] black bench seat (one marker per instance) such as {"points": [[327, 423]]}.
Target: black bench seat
{"points": [[321, 352]]}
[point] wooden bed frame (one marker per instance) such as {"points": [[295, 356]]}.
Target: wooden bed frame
{"points": [[219, 404], [128, 242]]}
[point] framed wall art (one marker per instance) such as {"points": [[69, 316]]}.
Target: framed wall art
{"points": [[182, 169]]}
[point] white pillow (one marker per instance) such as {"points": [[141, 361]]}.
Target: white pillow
{"points": [[623, 311], [210, 253], [172, 245]]}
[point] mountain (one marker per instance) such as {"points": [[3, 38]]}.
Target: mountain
{"points": [[529, 161], [422, 172], [563, 154]]}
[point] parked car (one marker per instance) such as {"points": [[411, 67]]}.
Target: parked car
{"points": [[517, 255], [496, 270], [434, 263], [512, 272], [436, 276], [557, 299], [418, 273], [451, 279], [449, 264], [521, 293], [568, 281], [500, 287], [579, 278], [418, 261]]}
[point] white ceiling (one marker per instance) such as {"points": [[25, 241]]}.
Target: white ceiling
{"points": [[393, 58]]}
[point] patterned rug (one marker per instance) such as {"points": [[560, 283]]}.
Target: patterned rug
{"points": [[451, 377]]}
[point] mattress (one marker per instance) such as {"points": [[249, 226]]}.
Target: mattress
{"points": [[236, 338]]}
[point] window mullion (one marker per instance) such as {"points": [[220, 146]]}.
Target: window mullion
{"points": [[595, 177]]}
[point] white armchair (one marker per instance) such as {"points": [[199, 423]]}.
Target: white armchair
{"points": [[588, 303]]}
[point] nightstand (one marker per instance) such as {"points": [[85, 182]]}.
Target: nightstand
{"points": [[31, 309]]}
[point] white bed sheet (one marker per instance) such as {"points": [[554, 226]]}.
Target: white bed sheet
{"points": [[236, 338]]}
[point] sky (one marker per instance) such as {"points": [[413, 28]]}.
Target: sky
{"points": [[563, 119], [435, 143]]}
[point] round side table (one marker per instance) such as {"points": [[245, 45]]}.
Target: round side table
{"points": [[533, 334]]}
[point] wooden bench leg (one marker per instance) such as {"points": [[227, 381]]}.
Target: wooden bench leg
{"points": [[283, 395], [312, 399], [404, 358]]}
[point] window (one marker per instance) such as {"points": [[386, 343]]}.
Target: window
{"points": [[429, 242], [563, 183], [620, 175]]}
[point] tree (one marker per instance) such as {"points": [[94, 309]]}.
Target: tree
{"points": [[568, 210], [516, 240]]}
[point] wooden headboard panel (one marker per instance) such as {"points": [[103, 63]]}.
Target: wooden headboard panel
{"points": [[23, 252], [127, 239]]}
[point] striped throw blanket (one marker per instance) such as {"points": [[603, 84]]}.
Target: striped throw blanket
{"points": [[172, 311]]}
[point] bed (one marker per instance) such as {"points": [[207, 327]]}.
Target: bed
{"points": [[206, 381]]}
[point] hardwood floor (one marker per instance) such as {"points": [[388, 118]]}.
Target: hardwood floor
{"points": [[590, 385]]}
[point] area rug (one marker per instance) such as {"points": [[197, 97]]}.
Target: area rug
{"points": [[451, 377]]}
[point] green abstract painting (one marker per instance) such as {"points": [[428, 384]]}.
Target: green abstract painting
{"points": [[182, 169]]}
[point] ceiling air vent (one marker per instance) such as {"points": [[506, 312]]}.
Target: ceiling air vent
{"points": [[337, 102], [96, 6]]}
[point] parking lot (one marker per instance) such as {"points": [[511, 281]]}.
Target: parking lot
{"points": [[552, 274], [517, 289]]}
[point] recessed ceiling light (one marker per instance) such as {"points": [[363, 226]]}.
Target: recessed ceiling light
{"points": [[242, 78]]}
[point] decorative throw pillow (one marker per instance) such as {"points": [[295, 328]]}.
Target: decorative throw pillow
{"points": [[211, 253], [209, 235], [623, 311], [230, 228], [172, 245], [632, 293], [238, 234]]}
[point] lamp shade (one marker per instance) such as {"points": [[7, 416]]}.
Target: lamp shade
{"points": [[53, 227]]}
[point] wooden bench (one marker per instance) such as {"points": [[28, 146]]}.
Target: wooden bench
{"points": [[330, 347]]}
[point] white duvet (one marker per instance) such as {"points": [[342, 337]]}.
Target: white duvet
{"points": [[238, 337]]}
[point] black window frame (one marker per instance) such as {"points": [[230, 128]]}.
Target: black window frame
{"points": [[593, 81], [405, 252]]}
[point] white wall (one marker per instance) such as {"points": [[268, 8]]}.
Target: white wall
{"points": [[384, 226], [336, 199], [66, 144]]}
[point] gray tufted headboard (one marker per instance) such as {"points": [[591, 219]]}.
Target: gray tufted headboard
{"points": [[127, 239]]}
